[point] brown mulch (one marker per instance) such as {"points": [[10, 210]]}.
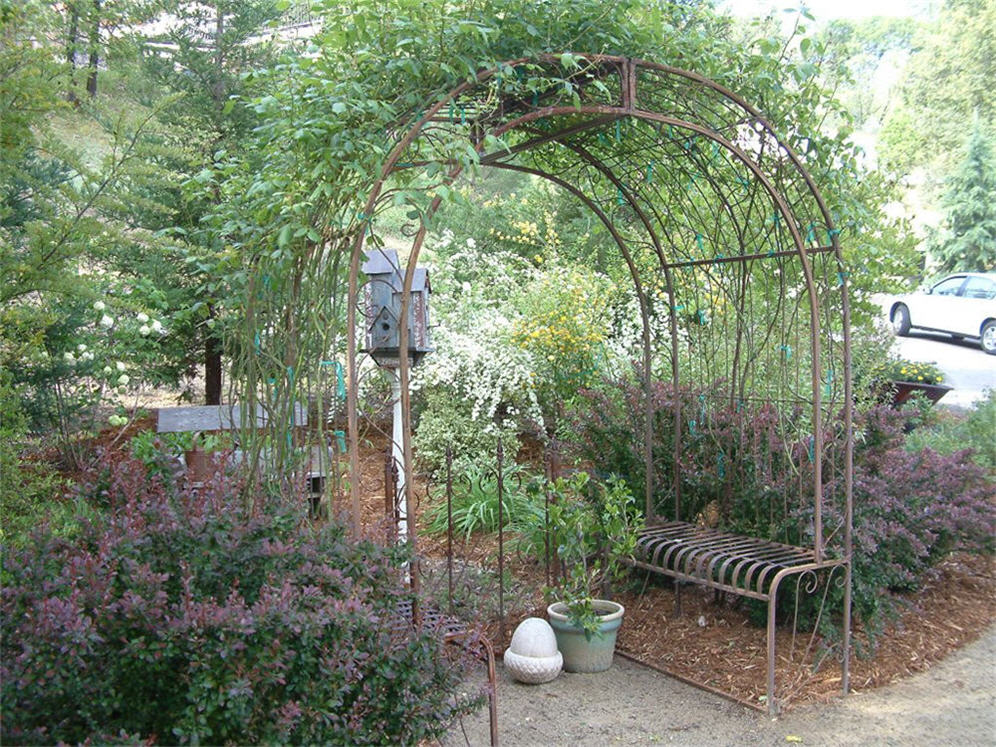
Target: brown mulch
{"points": [[713, 642], [716, 645]]}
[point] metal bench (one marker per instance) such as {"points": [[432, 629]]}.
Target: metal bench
{"points": [[745, 566]]}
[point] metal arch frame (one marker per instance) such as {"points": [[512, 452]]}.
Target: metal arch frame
{"points": [[628, 107]]}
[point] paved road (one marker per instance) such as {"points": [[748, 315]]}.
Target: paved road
{"points": [[965, 366]]}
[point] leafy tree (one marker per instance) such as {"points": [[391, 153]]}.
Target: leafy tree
{"points": [[90, 29], [948, 80], [968, 241], [862, 46], [66, 222]]}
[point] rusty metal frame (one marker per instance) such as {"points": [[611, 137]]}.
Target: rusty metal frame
{"points": [[514, 114]]}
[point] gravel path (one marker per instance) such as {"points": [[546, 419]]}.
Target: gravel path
{"points": [[954, 703]]}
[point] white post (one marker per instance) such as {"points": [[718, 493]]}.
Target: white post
{"points": [[397, 454]]}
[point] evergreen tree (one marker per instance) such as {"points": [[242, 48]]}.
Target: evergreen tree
{"points": [[968, 242], [205, 55]]}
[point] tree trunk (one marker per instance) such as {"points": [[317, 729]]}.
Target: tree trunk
{"points": [[212, 364], [218, 85], [212, 345], [71, 41], [212, 370], [91, 80]]}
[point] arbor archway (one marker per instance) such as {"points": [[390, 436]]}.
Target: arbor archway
{"points": [[733, 253]]}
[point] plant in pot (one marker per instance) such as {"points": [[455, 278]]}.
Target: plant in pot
{"points": [[593, 527], [201, 455], [898, 380]]}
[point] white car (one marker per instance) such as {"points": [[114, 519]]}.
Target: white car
{"points": [[962, 305]]}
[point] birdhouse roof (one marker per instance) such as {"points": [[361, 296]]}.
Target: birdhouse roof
{"points": [[381, 262], [420, 281]]}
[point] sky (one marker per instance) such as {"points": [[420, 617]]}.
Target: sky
{"points": [[828, 9]]}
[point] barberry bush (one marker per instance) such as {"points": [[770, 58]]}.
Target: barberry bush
{"points": [[912, 504], [192, 619]]}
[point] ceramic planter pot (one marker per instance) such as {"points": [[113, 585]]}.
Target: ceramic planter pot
{"points": [[581, 654], [201, 465]]}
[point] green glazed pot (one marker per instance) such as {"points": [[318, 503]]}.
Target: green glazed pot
{"points": [[581, 654]]}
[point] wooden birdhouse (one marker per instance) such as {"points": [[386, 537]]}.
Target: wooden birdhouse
{"points": [[385, 284]]}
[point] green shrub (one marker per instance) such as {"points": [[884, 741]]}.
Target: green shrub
{"points": [[446, 421], [947, 431], [185, 620], [475, 502], [29, 491], [592, 527]]}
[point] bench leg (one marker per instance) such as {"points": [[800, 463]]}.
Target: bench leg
{"points": [[772, 606], [772, 709], [845, 666]]}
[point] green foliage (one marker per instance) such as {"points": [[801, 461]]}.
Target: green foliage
{"points": [[475, 501], [948, 81], [862, 47], [29, 492], [947, 432], [74, 236], [968, 240], [449, 422], [592, 527], [70, 359], [293, 210], [29, 82], [563, 323]]}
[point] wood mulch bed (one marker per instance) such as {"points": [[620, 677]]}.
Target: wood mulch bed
{"points": [[715, 644]]}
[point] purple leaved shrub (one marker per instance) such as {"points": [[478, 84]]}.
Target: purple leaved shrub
{"points": [[751, 465], [911, 509], [192, 619]]}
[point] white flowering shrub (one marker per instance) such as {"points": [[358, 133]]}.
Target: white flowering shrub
{"points": [[446, 422], [77, 360], [475, 358]]}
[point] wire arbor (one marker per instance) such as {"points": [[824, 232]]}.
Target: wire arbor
{"points": [[738, 275]]}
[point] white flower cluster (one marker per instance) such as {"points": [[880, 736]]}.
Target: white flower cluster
{"points": [[148, 325], [474, 356], [481, 365]]}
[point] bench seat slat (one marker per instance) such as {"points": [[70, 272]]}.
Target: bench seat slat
{"points": [[722, 560]]}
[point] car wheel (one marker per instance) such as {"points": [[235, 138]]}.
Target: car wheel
{"points": [[988, 337], [901, 320]]}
